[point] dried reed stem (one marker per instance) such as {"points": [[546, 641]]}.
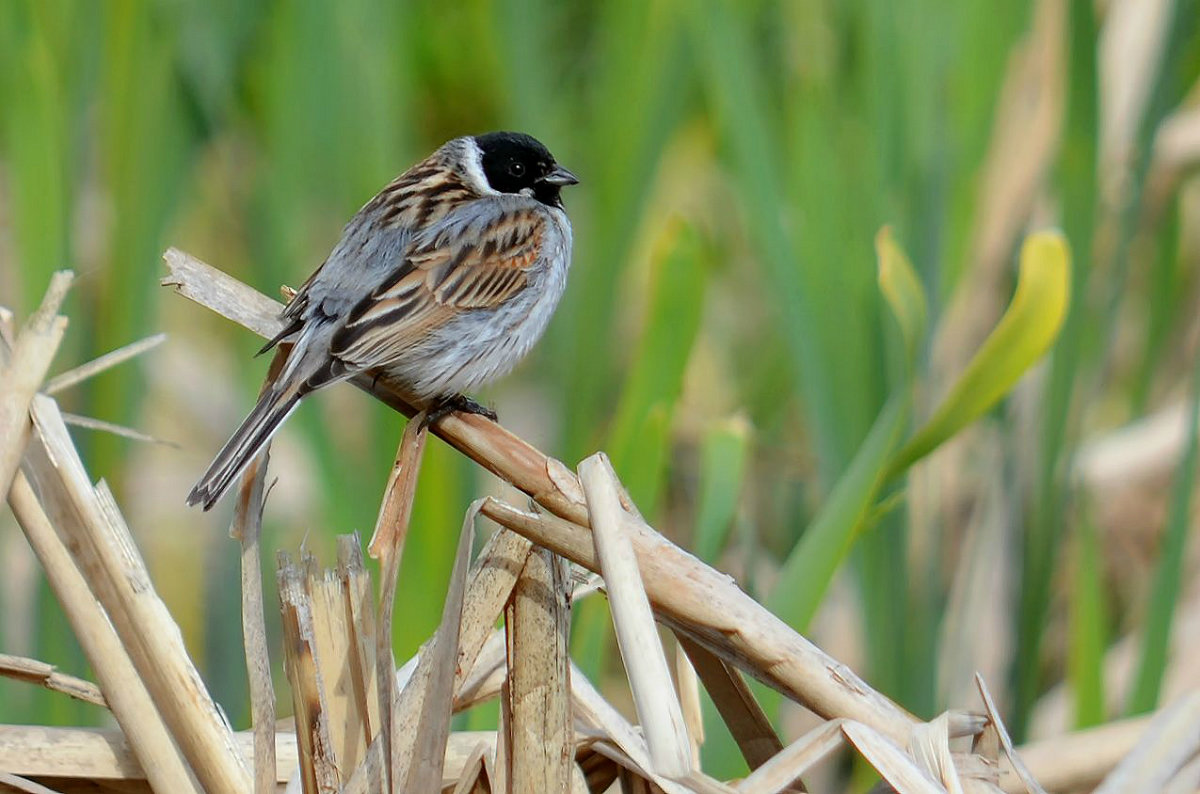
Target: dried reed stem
{"points": [[387, 545], [101, 363], [622, 742], [749, 725], [329, 630], [996, 726], [1170, 742], [890, 759], [492, 580], [22, 371], [361, 642], [118, 577], [646, 666], [48, 676], [784, 769], [1081, 759], [108, 759], [125, 692], [423, 708], [318, 761], [537, 691], [247, 530], [709, 607]]}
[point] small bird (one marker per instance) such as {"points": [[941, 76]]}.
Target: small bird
{"points": [[443, 281]]}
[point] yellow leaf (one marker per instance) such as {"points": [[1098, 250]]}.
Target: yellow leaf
{"points": [[900, 286], [1023, 335]]}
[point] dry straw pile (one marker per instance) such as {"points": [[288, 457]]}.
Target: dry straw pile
{"points": [[362, 725]]}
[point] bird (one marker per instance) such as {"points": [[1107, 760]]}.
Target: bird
{"points": [[442, 282]]}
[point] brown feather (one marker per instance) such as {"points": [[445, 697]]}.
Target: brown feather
{"points": [[438, 279]]}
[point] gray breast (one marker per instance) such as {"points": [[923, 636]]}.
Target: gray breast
{"points": [[485, 344]]}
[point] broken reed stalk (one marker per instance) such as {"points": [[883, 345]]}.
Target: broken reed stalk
{"points": [[995, 727], [694, 598], [124, 690], [362, 703], [126, 693], [492, 580], [22, 371], [536, 696], [387, 545], [657, 706], [51, 678], [739, 710], [423, 723], [302, 614], [247, 530], [99, 364], [118, 578], [329, 643]]}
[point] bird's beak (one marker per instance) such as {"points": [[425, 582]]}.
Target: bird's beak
{"points": [[560, 177]]}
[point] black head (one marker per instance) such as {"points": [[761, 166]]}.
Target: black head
{"points": [[514, 162]]}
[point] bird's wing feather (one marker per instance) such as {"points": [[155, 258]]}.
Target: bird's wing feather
{"points": [[478, 257]]}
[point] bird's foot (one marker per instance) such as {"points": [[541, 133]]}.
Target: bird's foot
{"points": [[444, 406]]}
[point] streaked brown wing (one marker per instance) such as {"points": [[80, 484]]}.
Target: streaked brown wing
{"points": [[479, 268], [408, 193]]}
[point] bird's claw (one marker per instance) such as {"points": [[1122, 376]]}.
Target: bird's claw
{"points": [[456, 403]]}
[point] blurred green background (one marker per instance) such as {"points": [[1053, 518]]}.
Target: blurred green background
{"points": [[723, 336]]}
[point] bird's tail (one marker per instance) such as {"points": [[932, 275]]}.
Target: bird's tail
{"points": [[256, 430]]}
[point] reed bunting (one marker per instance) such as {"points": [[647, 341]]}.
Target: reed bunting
{"points": [[443, 281]]}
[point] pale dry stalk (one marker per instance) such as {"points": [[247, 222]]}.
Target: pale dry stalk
{"points": [[22, 371], [387, 545], [247, 530], [50, 677], [117, 576], [123, 689], [537, 691]]}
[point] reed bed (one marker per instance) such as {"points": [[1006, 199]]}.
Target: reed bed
{"points": [[362, 723]]}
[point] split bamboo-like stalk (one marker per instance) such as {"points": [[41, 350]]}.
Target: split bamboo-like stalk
{"points": [[360, 625], [311, 691], [537, 697]]}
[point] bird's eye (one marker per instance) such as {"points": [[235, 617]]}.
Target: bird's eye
{"points": [[516, 168]]}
